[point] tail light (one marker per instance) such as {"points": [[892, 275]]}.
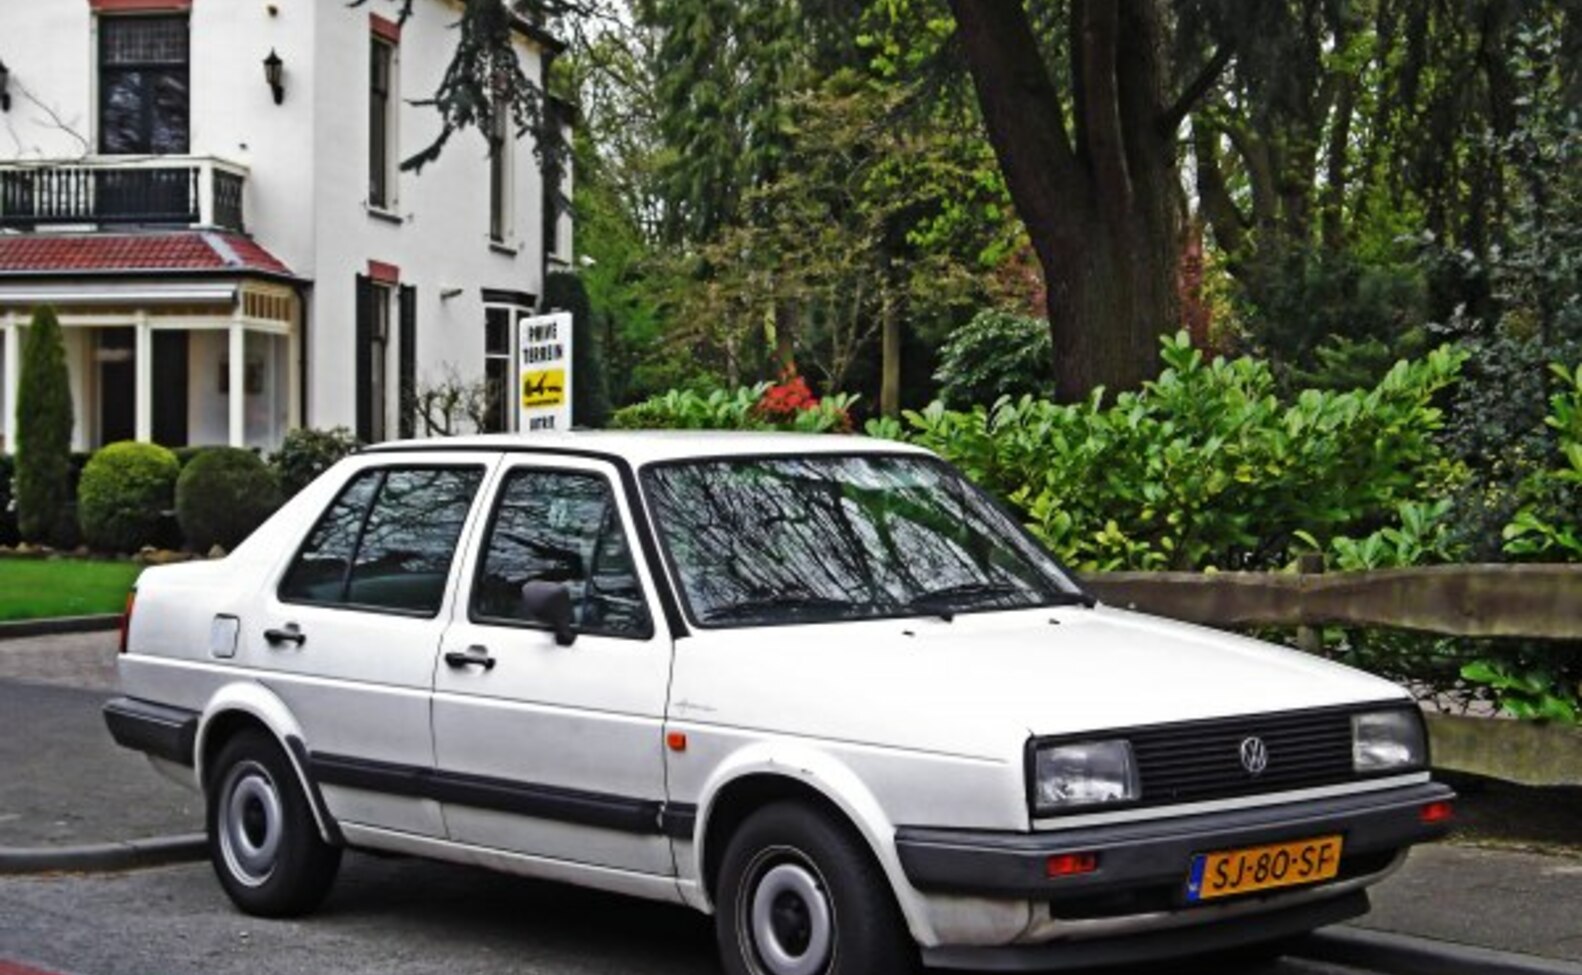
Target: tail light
{"points": [[126, 619], [1435, 813], [1071, 864]]}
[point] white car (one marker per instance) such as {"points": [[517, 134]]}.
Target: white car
{"points": [[821, 687]]}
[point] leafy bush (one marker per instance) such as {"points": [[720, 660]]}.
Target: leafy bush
{"points": [[222, 495], [306, 453], [590, 392], [125, 492], [43, 436], [787, 406], [996, 354], [1205, 466], [1549, 525]]}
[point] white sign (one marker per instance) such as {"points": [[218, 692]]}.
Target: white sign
{"points": [[543, 371]]}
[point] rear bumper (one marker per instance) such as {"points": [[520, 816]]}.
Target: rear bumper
{"points": [[1154, 855], [162, 731]]}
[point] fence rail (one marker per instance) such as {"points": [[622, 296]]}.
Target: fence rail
{"points": [[1497, 600]]}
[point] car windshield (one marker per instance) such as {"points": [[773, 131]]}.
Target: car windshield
{"points": [[759, 541]]}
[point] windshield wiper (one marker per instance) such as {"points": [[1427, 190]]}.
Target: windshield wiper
{"points": [[944, 602], [751, 608]]}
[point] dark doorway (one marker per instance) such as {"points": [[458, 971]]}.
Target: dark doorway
{"points": [[170, 388], [117, 385]]}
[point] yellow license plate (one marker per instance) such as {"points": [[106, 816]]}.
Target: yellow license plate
{"points": [[1255, 868]]}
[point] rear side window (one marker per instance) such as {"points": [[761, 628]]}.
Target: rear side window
{"points": [[561, 527], [387, 542]]}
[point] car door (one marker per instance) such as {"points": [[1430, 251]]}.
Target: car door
{"points": [[549, 750], [349, 629]]}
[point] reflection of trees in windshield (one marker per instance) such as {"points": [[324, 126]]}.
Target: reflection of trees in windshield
{"points": [[840, 537]]}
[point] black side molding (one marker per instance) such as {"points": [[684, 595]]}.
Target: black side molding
{"points": [[620, 813], [158, 729]]}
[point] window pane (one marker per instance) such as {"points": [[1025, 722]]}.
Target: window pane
{"points": [[319, 573], [143, 40], [560, 527], [379, 125], [410, 539]]}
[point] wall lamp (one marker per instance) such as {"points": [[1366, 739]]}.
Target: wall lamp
{"points": [[5, 88], [274, 73]]}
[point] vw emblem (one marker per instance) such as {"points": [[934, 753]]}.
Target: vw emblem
{"points": [[1254, 755]]}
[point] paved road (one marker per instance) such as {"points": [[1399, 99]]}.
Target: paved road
{"points": [[386, 917]]}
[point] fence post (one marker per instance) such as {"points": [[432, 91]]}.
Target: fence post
{"points": [[1310, 639]]}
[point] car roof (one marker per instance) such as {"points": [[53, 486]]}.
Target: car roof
{"points": [[646, 446]]}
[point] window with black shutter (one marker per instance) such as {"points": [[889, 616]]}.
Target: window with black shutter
{"points": [[144, 94]]}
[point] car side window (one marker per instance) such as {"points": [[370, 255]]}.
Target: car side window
{"points": [[387, 542], [561, 527]]}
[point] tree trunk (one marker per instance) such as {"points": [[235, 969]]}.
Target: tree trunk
{"points": [[1103, 212], [890, 357]]}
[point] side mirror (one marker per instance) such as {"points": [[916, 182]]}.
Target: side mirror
{"points": [[550, 603]]}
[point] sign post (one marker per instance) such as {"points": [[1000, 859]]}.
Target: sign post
{"points": [[543, 370]]}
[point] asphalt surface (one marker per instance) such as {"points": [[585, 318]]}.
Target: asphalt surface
{"points": [[63, 782], [386, 917]]}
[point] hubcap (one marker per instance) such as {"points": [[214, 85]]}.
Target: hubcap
{"points": [[250, 823], [791, 921]]}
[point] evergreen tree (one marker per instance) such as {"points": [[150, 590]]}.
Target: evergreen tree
{"points": [[590, 397], [43, 441]]}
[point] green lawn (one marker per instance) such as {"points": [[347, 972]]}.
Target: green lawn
{"points": [[37, 588]]}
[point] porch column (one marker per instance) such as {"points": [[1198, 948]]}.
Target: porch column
{"points": [[143, 384], [238, 377], [13, 375]]}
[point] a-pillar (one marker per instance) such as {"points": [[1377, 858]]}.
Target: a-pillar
{"points": [[238, 376]]}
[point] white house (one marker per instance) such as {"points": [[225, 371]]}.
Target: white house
{"points": [[231, 257]]}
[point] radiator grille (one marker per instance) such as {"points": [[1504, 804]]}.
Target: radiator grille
{"points": [[1202, 760]]}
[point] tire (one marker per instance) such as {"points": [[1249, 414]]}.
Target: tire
{"points": [[800, 894], [263, 841]]}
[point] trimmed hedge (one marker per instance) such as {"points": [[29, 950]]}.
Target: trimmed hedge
{"points": [[125, 491], [222, 495], [306, 453], [43, 436]]}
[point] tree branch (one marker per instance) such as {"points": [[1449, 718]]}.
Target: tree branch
{"points": [[1199, 86]]}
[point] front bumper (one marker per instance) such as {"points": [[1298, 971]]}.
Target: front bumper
{"points": [[1155, 854]]}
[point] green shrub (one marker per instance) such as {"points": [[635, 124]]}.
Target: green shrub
{"points": [[766, 406], [1549, 524], [590, 387], [222, 495], [1205, 466], [43, 436], [124, 494], [996, 354], [306, 453]]}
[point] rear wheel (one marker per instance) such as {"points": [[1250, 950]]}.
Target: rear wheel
{"points": [[263, 841], [799, 894]]}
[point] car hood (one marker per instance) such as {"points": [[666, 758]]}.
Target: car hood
{"points": [[981, 684]]}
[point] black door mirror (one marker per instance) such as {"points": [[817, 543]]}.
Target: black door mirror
{"points": [[550, 603]]}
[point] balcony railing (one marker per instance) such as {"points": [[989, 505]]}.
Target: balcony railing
{"points": [[106, 191]]}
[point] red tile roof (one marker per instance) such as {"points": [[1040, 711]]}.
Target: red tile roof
{"points": [[176, 251]]}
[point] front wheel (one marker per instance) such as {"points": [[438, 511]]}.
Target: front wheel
{"points": [[800, 894], [263, 841]]}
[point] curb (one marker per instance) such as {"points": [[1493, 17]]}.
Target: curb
{"points": [[16, 629], [1406, 954], [128, 855]]}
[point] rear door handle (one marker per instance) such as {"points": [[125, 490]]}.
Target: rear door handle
{"points": [[290, 633], [474, 656]]}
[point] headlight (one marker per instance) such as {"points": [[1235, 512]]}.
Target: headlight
{"points": [[1085, 774], [1386, 740]]}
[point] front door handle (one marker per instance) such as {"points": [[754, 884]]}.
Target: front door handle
{"points": [[474, 656], [290, 633]]}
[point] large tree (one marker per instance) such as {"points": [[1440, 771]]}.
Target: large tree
{"points": [[1089, 153]]}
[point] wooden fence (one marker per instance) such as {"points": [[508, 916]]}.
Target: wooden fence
{"points": [[1499, 600], [1532, 601]]}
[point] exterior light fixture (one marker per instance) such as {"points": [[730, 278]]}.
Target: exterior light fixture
{"points": [[5, 88], [274, 73]]}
